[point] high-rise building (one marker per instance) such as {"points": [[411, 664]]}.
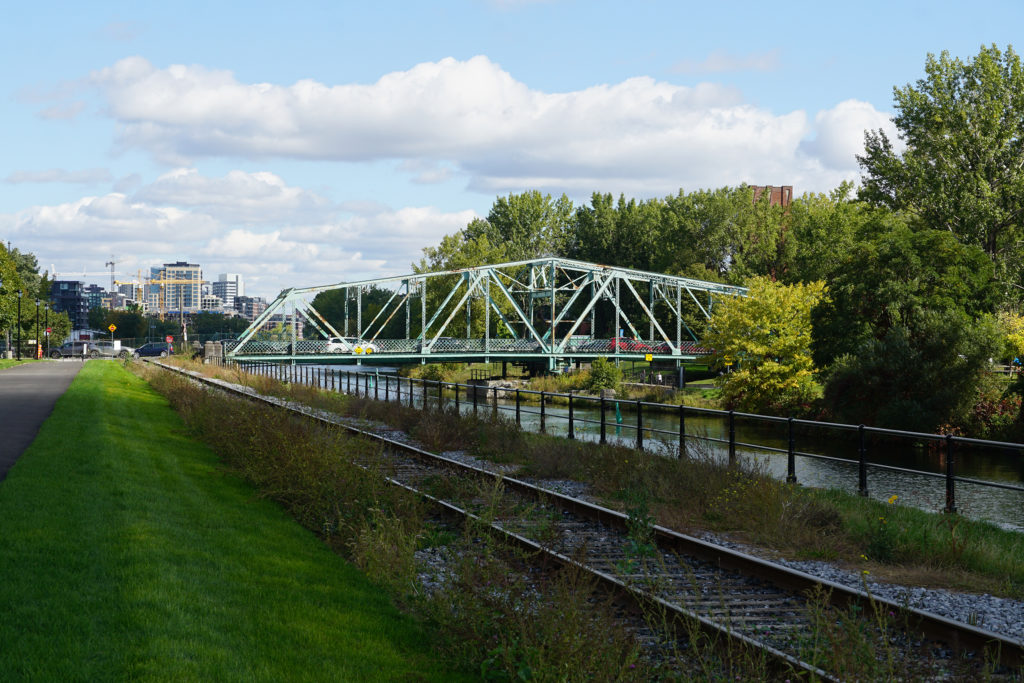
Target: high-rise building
{"points": [[227, 287], [68, 297], [182, 286], [250, 306], [95, 294]]}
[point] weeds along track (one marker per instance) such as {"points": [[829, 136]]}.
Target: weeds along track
{"points": [[688, 587]]}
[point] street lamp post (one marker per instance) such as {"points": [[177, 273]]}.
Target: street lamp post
{"points": [[46, 307], [19, 324], [36, 353]]}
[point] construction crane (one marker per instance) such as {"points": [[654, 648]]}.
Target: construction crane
{"points": [[136, 284], [111, 263], [172, 281]]}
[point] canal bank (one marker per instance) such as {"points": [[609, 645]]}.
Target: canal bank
{"points": [[989, 481]]}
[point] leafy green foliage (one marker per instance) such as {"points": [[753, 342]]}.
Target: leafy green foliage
{"points": [[963, 126], [891, 277], [331, 304], [527, 225], [1011, 325], [769, 334], [916, 376], [604, 374]]}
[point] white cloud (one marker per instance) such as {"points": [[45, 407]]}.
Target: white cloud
{"points": [[840, 133], [88, 176], [62, 112], [183, 218], [475, 118], [238, 197], [110, 217], [720, 61]]}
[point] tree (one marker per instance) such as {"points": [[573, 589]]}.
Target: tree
{"points": [[893, 275], [917, 376], [821, 230], [768, 333], [10, 284], [604, 375], [455, 252], [528, 225], [963, 126], [1011, 325]]}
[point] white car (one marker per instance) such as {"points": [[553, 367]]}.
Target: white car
{"points": [[350, 345]]}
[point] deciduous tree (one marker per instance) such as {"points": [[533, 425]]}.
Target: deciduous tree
{"points": [[961, 171], [768, 334]]}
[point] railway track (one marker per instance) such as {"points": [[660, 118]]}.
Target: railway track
{"points": [[689, 584]]}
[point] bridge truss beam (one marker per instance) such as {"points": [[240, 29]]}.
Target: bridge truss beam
{"points": [[540, 304]]}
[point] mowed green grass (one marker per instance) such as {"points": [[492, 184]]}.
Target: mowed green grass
{"points": [[125, 552], [11, 362]]}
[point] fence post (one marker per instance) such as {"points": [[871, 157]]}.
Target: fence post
{"points": [[440, 394], [423, 386], [495, 412], [543, 426], [412, 403], [376, 386], [457, 399], [639, 425], [604, 428], [862, 465], [682, 430], [348, 382], [519, 421], [791, 455], [732, 437], [572, 431], [387, 388], [475, 399], [950, 478]]}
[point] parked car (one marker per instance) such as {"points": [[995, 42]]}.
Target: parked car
{"points": [[350, 345], [67, 349], [161, 349], [103, 347]]}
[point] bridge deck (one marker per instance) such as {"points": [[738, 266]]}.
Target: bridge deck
{"points": [[465, 350]]}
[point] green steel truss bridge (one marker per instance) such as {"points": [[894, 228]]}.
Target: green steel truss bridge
{"points": [[541, 311]]}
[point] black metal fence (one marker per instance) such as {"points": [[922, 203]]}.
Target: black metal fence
{"points": [[852, 443]]}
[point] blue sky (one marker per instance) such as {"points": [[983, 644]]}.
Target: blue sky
{"points": [[317, 142]]}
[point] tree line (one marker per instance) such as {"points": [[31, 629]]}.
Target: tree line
{"points": [[19, 273], [915, 278]]}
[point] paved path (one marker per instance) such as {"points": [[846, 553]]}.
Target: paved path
{"points": [[27, 395]]}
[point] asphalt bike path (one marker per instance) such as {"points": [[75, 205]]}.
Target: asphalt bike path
{"points": [[27, 395]]}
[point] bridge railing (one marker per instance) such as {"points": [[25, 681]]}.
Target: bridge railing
{"points": [[618, 345], [609, 418]]}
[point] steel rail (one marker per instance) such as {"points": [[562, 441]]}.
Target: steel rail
{"points": [[958, 636]]}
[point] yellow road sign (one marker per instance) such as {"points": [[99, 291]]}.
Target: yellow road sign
{"points": [[648, 357], [112, 327]]}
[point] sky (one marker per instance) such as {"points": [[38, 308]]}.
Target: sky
{"points": [[310, 143]]}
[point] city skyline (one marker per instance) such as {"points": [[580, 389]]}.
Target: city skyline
{"points": [[150, 134]]}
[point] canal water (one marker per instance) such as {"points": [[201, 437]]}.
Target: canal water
{"points": [[707, 436]]}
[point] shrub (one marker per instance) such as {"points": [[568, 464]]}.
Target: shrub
{"points": [[604, 375]]}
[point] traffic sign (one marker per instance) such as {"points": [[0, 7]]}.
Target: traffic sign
{"points": [[169, 338], [49, 330], [648, 357], [112, 327]]}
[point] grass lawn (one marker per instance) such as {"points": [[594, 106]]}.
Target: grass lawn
{"points": [[126, 552], [10, 362]]}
